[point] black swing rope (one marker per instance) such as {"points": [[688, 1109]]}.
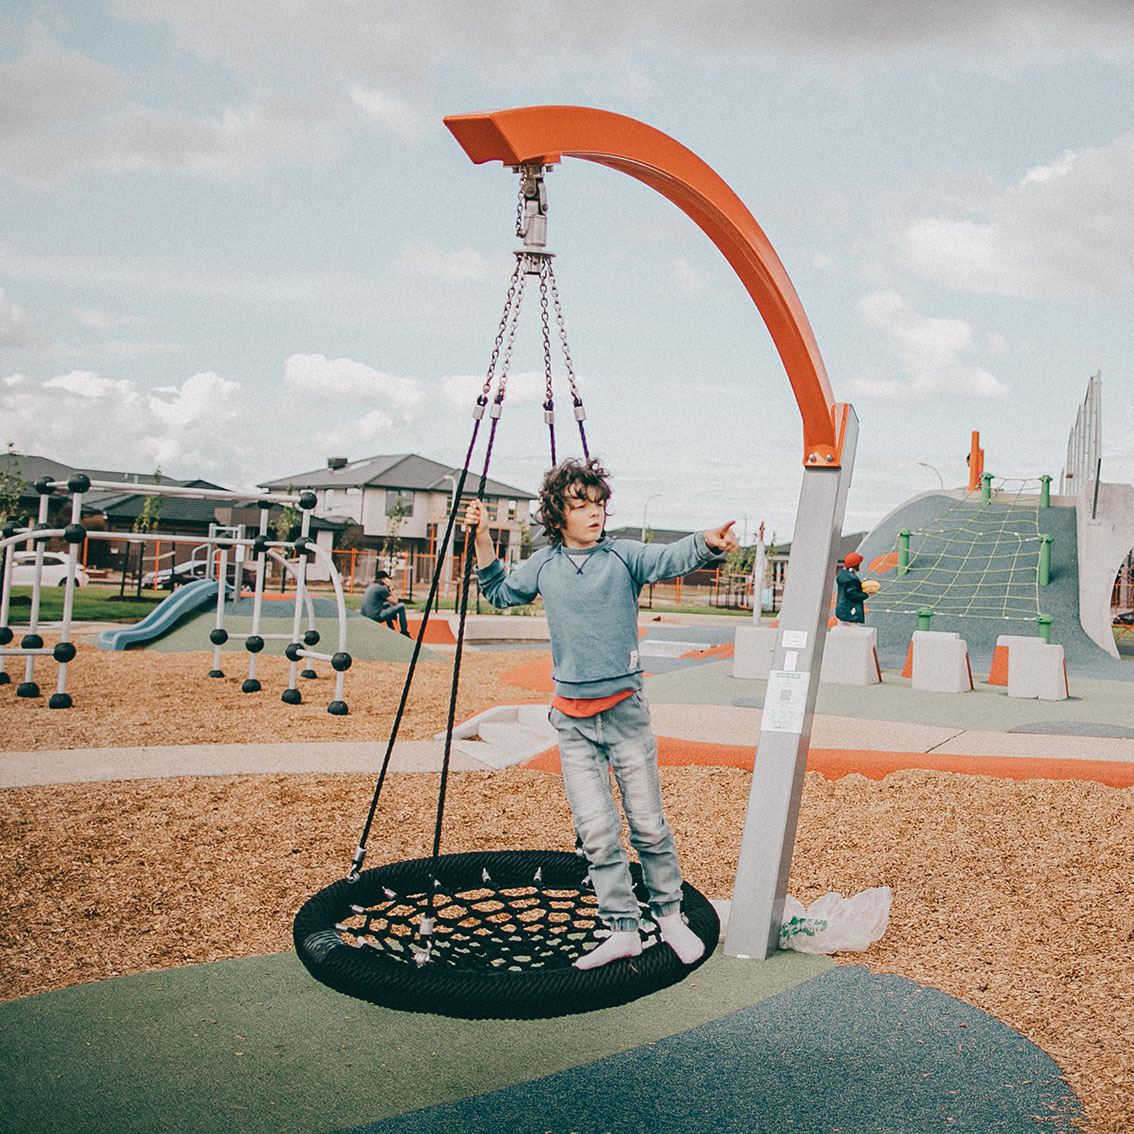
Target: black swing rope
{"points": [[510, 922], [507, 327]]}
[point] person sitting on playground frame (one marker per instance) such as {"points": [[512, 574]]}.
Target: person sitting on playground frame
{"points": [[590, 586], [376, 604], [848, 606]]}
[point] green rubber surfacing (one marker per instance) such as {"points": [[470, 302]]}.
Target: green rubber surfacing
{"points": [[258, 1045]]}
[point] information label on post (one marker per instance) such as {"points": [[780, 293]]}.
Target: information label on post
{"points": [[785, 701]]}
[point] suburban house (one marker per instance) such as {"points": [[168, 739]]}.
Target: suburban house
{"points": [[121, 510], [402, 502]]}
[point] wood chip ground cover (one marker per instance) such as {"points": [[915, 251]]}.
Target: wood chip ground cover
{"points": [[1014, 896]]}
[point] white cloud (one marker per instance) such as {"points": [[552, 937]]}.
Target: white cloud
{"points": [[395, 114], [1001, 32], [1064, 230], [430, 262], [525, 386], [1060, 168], [372, 429], [397, 44], [91, 386], [310, 67], [928, 351], [61, 112], [18, 331], [342, 380], [686, 279], [103, 422], [51, 86]]}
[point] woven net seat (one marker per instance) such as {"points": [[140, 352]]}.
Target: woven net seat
{"points": [[507, 927]]}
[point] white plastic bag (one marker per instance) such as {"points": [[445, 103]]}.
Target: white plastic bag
{"points": [[834, 924]]}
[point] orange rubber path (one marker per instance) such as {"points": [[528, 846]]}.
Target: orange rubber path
{"points": [[834, 763]]}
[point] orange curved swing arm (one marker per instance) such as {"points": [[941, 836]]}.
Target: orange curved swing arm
{"points": [[545, 134]]}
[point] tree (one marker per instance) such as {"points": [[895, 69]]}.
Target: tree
{"points": [[351, 538], [286, 524], [739, 562], [11, 489], [150, 515], [394, 518]]}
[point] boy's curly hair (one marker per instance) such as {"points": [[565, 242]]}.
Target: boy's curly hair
{"points": [[571, 477]]}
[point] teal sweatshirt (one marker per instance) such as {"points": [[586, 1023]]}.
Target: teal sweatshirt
{"points": [[591, 601]]}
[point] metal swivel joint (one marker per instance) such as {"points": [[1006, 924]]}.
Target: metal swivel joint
{"points": [[531, 218]]}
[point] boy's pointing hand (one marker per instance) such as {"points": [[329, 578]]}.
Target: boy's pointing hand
{"points": [[722, 539]]}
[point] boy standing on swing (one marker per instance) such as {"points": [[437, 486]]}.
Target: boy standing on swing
{"points": [[590, 586]]}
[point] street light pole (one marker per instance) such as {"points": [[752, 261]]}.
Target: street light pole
{"points": [[926, 465], [645, 508]]}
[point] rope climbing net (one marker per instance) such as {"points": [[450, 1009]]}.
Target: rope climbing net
{"points": [[980, 559]]}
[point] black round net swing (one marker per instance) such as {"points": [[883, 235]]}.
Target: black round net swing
{"points": [[507, 926], [487, 934]]}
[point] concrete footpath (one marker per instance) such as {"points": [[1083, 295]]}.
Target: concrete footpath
{"points": [[1098, 725]]}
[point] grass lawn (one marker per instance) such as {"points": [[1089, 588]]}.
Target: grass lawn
{"points": [[1124, 640], [92, 604], [102, 604]]}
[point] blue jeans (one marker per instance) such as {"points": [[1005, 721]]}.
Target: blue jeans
{"points": [[391, 611], [589, 747]]}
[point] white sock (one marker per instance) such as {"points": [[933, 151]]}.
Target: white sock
{"points": [[618, 944], [680, 938]]}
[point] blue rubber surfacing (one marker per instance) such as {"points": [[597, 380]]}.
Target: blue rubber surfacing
{"points": [[847, 1051]]}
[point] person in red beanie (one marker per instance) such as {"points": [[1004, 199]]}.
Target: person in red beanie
{"points": [[849, 604]]}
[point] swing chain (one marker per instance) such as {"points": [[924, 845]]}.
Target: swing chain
{"points": [[506, 363], [516, 284], [549, 403], [579, 415]]}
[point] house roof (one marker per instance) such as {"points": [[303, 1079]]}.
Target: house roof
{"points": [[32, 468], [126, 505], [184, 510], [659, 535], [401, 471], [847, 544]]}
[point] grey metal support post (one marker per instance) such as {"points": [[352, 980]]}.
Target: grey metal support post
{"points": [[789, 706]]}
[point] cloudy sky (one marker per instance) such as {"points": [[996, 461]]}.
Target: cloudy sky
{"points": [[237, 238]]}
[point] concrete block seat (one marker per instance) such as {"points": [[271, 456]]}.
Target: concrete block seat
{"points": [[752, 656], [998, 674], [940, 662], [1037, 670], [850, 656]]}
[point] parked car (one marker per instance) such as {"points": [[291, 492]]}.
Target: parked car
{"points": [[169, 578], [54, 570]]}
